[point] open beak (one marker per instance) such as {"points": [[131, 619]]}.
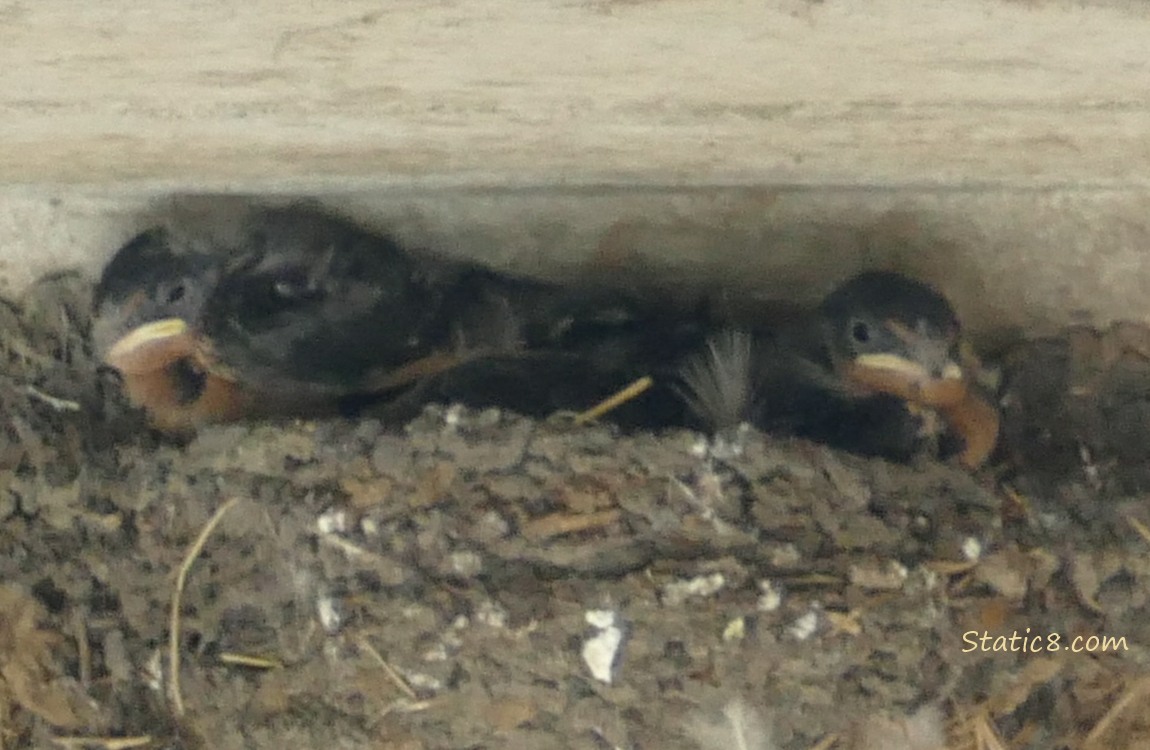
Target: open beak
{"points": [[923, 370], [151, 346], [976, 421], [934, 387]]}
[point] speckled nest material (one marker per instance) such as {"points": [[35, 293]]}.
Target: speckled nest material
{"points": [[429, 586]]}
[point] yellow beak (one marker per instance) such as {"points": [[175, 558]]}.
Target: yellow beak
{"points": [[897, 365], [899, 376], [150, 346]]}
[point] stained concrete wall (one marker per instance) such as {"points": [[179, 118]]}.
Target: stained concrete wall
{"points": [[1001, 149]]}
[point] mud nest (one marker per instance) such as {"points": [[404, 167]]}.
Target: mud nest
{"points": [[475, 579]]}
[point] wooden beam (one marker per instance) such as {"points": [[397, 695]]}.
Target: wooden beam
{"points": [[268, 92]]}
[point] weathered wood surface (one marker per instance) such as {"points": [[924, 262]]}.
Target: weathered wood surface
{"points": [[977, 142], [666, 91]]}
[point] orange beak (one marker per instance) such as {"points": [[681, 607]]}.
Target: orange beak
{"points": [[976, 421]]}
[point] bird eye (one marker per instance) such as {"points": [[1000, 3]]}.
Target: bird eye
{"points": [[176, 293], [293, 290], [860, 332], [284, 289]]}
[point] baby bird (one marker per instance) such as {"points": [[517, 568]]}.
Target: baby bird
{"points": [[867, 372]]}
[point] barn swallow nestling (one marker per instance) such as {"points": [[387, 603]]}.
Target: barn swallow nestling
{"points": [[207, 329], [880, 357], [148, 298], [888, 335], [316, 305], [294, 313], [147, 280], [869, 371], [577, 349]]}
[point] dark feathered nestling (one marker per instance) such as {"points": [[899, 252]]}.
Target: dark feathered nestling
{"points": [[299, 312], [291, 310]]}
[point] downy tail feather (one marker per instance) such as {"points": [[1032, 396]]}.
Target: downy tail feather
{"points": [[718, 383]]}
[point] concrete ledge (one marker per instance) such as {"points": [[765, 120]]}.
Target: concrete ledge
{"points": [[1010, 259]]}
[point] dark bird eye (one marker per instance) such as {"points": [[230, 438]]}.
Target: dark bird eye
{"points": [[860, 332], [176, 293], [292, 290]]}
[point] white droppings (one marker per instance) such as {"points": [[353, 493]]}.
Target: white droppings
{"points": [[972, 549], [677, 592], [466, 563], [492, 615], [600, 618], [154, 671], [332, 521], [329, 615], [805, 626], [423, 682], [736, 630], [601, 650], [770, 596], [453, 415], [437, 653], [494, 525]]}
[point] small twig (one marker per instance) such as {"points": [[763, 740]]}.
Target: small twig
{"points": [[1136, 691], [389, 670], [561, 524], [1140, 527], [59, 404], [986, 735], [826, 742], [83, 648], [255, 662], [108, 743], [177, 599], [615, 401], [604, 741], [405, 706], [353, 551]]}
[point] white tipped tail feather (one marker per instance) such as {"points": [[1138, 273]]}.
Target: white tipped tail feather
{"points": [[718, 384]]}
